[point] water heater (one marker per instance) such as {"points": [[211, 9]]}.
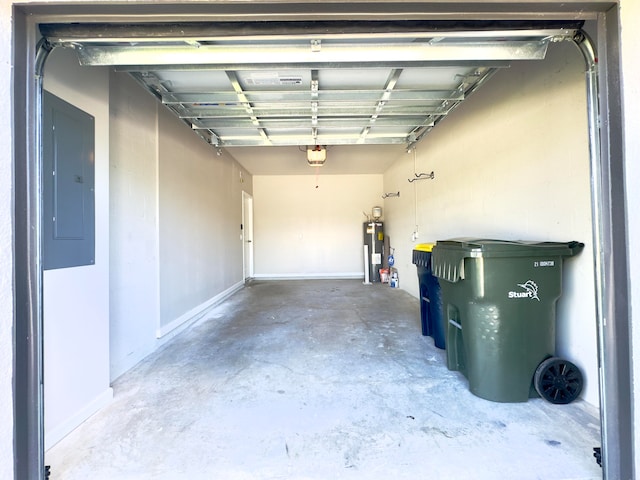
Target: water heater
{"points": [[374, 243]]}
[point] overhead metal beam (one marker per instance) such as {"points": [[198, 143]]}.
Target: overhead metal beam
{"points": [[346, 111], [285, 123], [61, 33], [483, 75], [306, 139], [394, 76], [308, 66], [262, 96], [314, 88], [406, 53], [235, 83]]}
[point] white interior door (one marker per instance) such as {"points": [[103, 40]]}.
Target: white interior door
{"points": [[247, 235]]}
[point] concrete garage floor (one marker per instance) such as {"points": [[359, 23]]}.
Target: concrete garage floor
{"points": [[318, 380]]}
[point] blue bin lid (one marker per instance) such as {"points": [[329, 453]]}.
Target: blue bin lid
{"points": [[422, 255]]}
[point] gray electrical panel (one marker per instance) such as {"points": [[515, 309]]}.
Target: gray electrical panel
{"points": [[68, 180]]}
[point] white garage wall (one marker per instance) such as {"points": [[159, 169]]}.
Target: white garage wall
{"points": [[200, 205], [175, 242], [134, 276], [175, 224], [512, 163], [76, 300], [302, 231]]}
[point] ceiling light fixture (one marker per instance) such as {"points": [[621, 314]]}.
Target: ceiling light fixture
{"points": [[316, 156]]}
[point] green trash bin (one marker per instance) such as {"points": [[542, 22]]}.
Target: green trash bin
{"points": [[499, 303]]}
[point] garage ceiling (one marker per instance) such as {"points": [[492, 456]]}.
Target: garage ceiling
{"points": [[311, 83]]}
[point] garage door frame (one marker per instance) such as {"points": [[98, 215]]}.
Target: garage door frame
{"points": [[607, 191]]}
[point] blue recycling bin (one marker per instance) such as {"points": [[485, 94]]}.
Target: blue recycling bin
{"points": [[431, 316]]}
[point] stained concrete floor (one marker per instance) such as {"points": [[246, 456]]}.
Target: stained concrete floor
{"points": [[318, 380]]}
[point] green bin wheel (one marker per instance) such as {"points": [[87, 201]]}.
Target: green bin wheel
{"points": [[558, 381]]}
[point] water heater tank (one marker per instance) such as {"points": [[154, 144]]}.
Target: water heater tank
{"points": [[376, 213]]}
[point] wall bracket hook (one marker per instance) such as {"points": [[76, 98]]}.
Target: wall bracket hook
{"points": [[422, 176], [391, 195]]}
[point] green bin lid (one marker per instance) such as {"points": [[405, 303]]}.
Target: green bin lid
{"points": [[480, 247], [448, 255]]}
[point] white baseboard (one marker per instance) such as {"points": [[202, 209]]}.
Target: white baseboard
{"points": [[183, 321], [124, 365], [163, 334], [309, 276], [166, 333], [57, 433]]}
